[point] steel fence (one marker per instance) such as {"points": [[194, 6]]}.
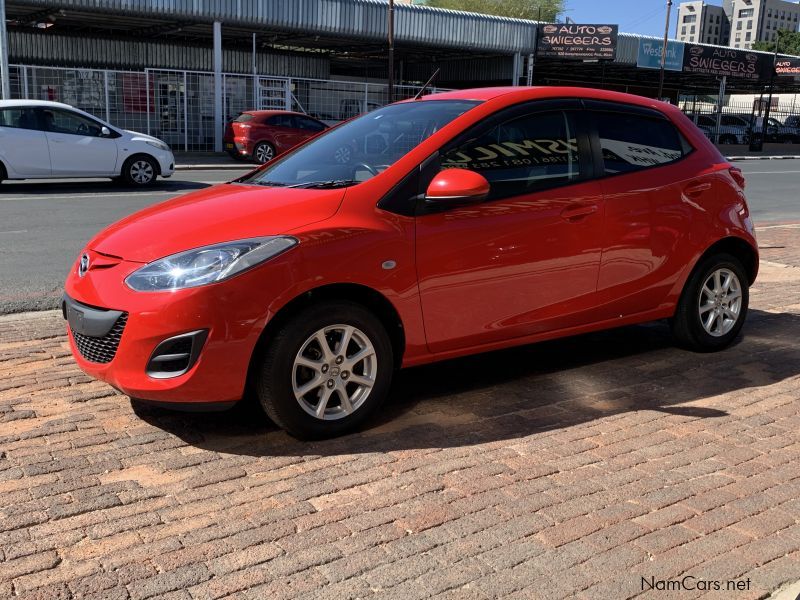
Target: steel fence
{"points": [[178, 105], [739, 120]]}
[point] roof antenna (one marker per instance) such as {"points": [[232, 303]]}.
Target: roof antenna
{"points": [[427, 83]]}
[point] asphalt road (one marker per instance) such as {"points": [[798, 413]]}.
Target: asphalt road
{"points": [[43, 226]]}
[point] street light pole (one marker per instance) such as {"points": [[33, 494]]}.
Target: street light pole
{"points": [[5, 88], [391, 51], [664, 52]]}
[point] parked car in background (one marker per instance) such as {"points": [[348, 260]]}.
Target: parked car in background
{"points": [[490, 218], [782, 133], [261, 135], [733, 129], [792, 121], [41, 140]]}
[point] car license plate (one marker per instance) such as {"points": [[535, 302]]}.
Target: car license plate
{"points": [[229, 146]]}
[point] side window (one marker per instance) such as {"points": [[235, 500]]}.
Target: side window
{"points": [[308, 124], [18, 118], [521, 156], [64, 121], [280, 121], [633, 142]]}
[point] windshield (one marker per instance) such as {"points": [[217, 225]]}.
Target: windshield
{"points": [[360, 149]]}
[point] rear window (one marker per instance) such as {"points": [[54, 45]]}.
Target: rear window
{"points": [[243, 118], [633, 142]]}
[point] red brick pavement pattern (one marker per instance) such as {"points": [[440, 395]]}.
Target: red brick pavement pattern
{"points": [[566, 469]]}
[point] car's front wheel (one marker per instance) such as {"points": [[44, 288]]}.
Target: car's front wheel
{"points": [[325, 370], [140, 171], [713, 305]]}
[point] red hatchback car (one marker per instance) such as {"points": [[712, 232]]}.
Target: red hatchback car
{"points": [[261, 135], [462, 222]]}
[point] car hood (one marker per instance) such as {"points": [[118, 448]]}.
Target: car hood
{"points": [[217, 214], [142, 136]]}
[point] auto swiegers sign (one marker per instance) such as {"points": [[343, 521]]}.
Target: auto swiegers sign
{"points": [[713, 60], [581, 42]]}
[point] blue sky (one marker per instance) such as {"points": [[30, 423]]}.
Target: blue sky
{"points": [[632, 16]]}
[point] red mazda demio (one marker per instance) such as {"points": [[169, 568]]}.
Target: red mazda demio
{"points": [[459, 223]]}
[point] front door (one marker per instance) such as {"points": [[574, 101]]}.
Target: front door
{"points": [[525, 260], [77, 146]]}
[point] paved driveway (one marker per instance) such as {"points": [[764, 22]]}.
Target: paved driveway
{"points": [[593, 467]]}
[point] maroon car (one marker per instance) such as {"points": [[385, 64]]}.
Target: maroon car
{"points": [[261, 135]]}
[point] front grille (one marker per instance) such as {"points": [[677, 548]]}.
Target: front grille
{"points": [[101, 349]]}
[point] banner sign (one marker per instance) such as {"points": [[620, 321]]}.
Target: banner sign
{"points": [[711, 60], [587, 42], [649, 56], [788, 66]]}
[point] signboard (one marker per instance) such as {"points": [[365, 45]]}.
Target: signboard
{"points": [[789, 67], [581, 42], [649, 56], [713, 60]]}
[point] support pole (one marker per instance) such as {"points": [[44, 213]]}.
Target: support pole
{"points": [[515, 67], [5, 82], [664, 53], [217, 86], [771, 87], [390, 88], [255, 75], [720, 101]]}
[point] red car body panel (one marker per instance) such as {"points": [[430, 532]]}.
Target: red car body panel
{"points": [[245, 135], [588, 256]]}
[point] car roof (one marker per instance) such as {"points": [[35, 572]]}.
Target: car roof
{"points": [[24, 102], [522, 93], [266, 113]]}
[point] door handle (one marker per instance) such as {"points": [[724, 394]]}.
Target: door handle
{"points": [[693, 191], [577, 211]]}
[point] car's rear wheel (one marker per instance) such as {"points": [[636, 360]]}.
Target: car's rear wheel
{"points": [[263, 152], [713, 305], [325, 370], [140, 171], [728, 139]]}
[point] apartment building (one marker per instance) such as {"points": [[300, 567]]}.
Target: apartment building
{"points": [[760, 20], [702, 23], [737, 23]]}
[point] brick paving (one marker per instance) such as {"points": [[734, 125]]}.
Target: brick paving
{"points": [[568, 469]]}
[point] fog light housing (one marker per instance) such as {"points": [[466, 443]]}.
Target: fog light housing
{"points": [[176, 355]]}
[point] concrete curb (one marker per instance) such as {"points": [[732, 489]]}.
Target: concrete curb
{"points": [[787, 592], [781, 157], [213, 167]]}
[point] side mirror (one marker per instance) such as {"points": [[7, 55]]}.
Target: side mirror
{"points": [[457, 185], [105, 131]]}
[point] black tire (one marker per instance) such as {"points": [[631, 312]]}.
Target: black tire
{"points": [[728, 139], [139, 171], [263, 152], [3, 173], [687, 326], [276, 374]]}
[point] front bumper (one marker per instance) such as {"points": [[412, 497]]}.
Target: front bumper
{"points": [[166, 162], [227, 311]]}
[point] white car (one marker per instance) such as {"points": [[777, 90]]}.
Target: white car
{"points": [[40, 139]]}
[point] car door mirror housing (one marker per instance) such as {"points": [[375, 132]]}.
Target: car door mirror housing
{"points": [[105, 131], [457, 185]]}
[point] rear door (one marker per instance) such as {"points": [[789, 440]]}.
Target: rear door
{"points": [[525, 260], [77, 145], [23, 145], [650, 192], [283, 132]]}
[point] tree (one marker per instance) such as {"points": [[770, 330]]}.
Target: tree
{"points": [[788, 43], [546, 10]]}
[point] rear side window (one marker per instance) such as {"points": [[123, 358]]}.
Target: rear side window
{"points": [[18, 118], [633, 142], [521, 156], [243, 118], [281, 121], [309, 124]]}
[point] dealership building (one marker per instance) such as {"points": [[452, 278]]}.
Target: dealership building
{"points": [[179, 69]]}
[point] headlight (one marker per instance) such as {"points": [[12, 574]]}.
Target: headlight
{"points": [[158, 144], [208, 264]]}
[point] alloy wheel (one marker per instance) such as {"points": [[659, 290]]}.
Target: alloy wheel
{"points": [[720, 302], [264, 153], [334, 372], [142, 172]]}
